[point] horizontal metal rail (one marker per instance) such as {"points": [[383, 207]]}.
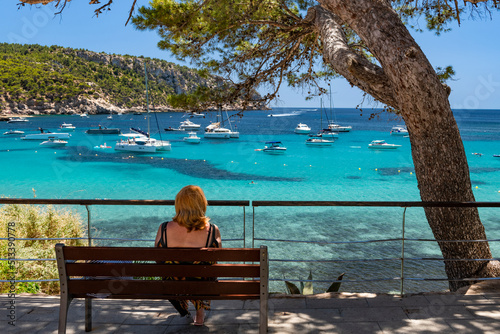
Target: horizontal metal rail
{"points": [[112, 202], [378, 204]]}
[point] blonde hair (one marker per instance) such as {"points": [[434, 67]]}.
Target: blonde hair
{"points": [[190, 207]]}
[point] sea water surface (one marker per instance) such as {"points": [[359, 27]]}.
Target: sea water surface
{"points": [[233, 170]]}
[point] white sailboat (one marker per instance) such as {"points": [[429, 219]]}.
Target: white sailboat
{"points": [[217, 131], [332, 125], [141, 141], [318, 140]]}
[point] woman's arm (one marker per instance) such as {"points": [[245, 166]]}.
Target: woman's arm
{"points": [[217, 236], [158, 236]]}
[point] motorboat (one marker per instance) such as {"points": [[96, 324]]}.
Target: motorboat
{"points": [[188, 125], [53, 142], [295, 113], [192, 139], [109, 117], [496, 155], [382, 145], [399, 130], [102, 146], [103, 131], [173, 129], [84, 115], [319, 141], [327, 133], [194, 114], [334, 127], [13, 132], [17, 120], [67, 127], [302, 129], [274, 147], [45, 135]]}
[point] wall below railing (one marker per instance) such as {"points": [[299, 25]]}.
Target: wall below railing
{"points": [[400, 259]]}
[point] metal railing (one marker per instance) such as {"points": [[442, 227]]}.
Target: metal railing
{"points": [[88, 203], [402, 239]]}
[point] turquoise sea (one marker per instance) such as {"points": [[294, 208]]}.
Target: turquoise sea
{"points": [[233, 170]]}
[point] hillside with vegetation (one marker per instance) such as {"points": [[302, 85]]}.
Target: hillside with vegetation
{"points": [[38, 79]]}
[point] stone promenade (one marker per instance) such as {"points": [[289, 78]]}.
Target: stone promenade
{"points": [[473, 310]]}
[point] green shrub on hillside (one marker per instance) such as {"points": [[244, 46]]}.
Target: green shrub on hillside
{"points": [[29, 221]]}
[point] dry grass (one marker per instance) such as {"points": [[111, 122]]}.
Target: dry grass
{"points": [[30, 221]]}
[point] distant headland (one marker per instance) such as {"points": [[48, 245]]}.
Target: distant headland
{"points": [[42, 80]]}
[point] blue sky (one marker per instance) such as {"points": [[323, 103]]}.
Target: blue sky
{"points": [[471, 48]]}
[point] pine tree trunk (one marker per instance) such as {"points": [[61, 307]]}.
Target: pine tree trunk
{"points": [[438, 153]]}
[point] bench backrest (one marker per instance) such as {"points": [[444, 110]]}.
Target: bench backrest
{"points": [[137, 272]]}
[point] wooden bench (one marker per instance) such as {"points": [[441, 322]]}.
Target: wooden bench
{"points": [[99, 272]]}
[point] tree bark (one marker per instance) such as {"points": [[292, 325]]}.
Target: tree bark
{"points": [[437, 149]]}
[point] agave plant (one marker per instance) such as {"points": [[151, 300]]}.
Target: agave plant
{"points": [[306, 288]]}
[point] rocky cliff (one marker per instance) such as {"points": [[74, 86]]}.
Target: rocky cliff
{"points": [[55, 80]]}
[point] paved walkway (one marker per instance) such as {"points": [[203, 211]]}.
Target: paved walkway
{"points": [[475, 310]]}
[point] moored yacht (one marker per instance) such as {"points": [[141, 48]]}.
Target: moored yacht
{"points": [[302, 129], [188, 125], [135, 143], [382, 145], [334, 127], [14, 132], [319, 141], [54, 142], [214, 131], [67, 127], [17, 120], [399, 130], [192, 139], [274, 147], [103, 131], [141, 141]]}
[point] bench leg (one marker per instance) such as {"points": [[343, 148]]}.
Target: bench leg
{"points": [[88, 314], [63, 314], [263, 316]]}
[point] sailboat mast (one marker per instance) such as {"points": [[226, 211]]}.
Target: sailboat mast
{"points": [[147, 96], [321, 118]]}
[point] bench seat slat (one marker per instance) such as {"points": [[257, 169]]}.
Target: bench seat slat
{"points": [[162, 254], [162, 270], [131, 287], [164, 297]]}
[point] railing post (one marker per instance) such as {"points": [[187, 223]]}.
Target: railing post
{"points": [[244, 229], [403, 252], [88, 226], [253, 226]]}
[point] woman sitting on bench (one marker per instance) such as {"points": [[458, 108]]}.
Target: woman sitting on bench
{"points": [[189, 228]]}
